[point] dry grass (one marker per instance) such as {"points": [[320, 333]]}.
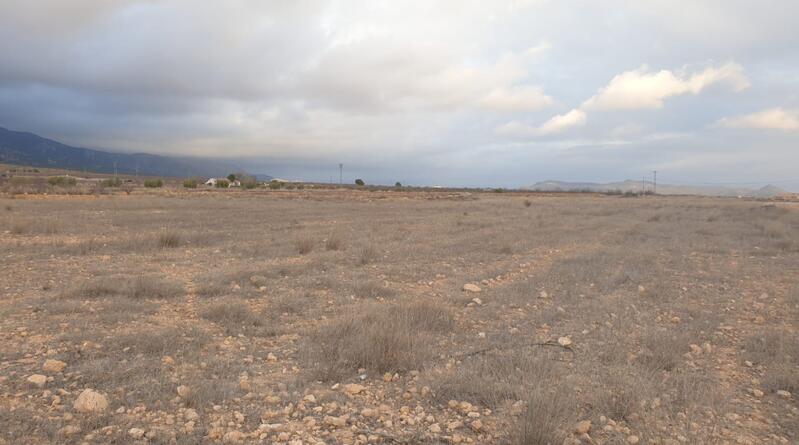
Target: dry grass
{"points": [[391, 300], [334, 241], [304, 245], [492, 378], [236, 317], [134, 287], [663, 350], [778, 352], [367, 254], [548, 415], [169, 239], [372, 290], [380, 338]]}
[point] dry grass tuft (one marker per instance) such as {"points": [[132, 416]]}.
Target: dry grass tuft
{"points": [[663, 350], [236, 317], [548, 415], [778, 351], [136, 287], [367, 254], [493, 378], [169, 239], [334, 242], [373, 290], [304, 245], [381, 338]]}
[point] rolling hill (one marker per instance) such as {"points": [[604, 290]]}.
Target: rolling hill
{"points": [[28, 149], [666, 189]]}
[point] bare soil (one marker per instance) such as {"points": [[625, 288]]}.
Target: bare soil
{"points": [[340, 316]]}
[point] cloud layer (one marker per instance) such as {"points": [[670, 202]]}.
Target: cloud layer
{"points": [[465, 93]]}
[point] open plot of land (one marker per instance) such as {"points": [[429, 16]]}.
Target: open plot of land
{"points": [[343, 317]]}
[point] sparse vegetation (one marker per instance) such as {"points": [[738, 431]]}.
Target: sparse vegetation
{"points": [[334, 241], [153, 183], [111, 182], [190, 183], [134, 287], [380, 339], [304, 245], [655, 319], [62, 181], [169, 239]]}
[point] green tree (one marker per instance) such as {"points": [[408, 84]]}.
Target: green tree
{"points": [[359, 182]]}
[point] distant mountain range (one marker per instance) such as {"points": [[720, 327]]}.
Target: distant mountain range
{"points": [[28, 149], [768, 191]]}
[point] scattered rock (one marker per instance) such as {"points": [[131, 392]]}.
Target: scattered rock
{"points": [[582, 427], [233, 437], [543, 294], [90, 401], [69, 430], [338, 422], [191, 414], [469, 287], [477, 301], [37, 380], [633, 439], [258, 280], [565, 341], [184, 391], [784, 394], [53, 366], [476, 425], [435, 428], [136, 433], [353, 388]]}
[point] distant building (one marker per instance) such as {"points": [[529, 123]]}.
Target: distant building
{"points": [[214, 181]]}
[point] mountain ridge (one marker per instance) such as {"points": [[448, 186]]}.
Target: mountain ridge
{"points": [[629, 185], [30, 149]]}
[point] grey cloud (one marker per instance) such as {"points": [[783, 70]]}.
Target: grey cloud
{"points": [[407, 89]]}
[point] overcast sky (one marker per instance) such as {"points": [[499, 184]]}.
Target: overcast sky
{"points": [[490, 93]]}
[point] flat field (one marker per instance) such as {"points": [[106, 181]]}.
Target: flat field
{"points": [[355, 317]]}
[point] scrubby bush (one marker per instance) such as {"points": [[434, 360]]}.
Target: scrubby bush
{"points": [[153, 183], [359, 182], [61, 181], [222, 183], [275, 185], [111, 182], [190, 183]]}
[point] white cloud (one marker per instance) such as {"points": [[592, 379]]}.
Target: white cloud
{"points": [[561, 122], [518, 98], [644, 89], [772, 119], [556, 124]]}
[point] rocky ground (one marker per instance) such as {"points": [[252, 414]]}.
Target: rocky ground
{"points": [[356, 317]]}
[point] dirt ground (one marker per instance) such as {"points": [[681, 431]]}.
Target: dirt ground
{"points": [[355, 317]]}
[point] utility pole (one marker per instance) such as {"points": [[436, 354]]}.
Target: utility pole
{"points": [[643, 185], [341, 174], [655, 183]]}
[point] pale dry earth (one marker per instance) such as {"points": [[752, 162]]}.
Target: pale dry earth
{"points": [[354, 317]]}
